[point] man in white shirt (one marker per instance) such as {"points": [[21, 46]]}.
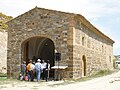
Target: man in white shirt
{"points": [[38, 69]]}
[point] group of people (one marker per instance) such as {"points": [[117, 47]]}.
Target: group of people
{"points": [[40, 69]]}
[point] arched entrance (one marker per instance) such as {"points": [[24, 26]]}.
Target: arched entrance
{"points": [[83, 66], [38, 47]]}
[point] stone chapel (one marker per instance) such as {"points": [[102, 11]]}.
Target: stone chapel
{"points": [[41, 33]]}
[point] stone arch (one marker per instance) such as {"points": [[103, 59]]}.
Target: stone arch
{"points": [[38, 47], [28, 36], [83, 66]]}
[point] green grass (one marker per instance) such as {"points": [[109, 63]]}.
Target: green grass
{"points": [[3, 21], [4, 80], [3, 77], [101, 73], [96, 75], [3, 74]]}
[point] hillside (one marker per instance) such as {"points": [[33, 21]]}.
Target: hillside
{"points": [[3, 20], [3, 42]]}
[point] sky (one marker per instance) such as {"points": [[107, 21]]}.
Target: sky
{"points": [[103, 14]]}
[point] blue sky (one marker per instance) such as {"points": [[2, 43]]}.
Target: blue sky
{"points": [[103, 14]]}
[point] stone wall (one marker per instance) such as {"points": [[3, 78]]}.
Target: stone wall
{"points": [[41, 23], [97, 51], [3, 52], [72, 38]]}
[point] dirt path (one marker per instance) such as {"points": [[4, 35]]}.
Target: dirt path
{"points": [[109, 82]]}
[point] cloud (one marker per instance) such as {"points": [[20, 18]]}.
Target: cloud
{"points": [[88, 8], [104, 14], [16, 7], [116, 49]]}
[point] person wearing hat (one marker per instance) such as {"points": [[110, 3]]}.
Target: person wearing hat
{"points": [[38, 69]]}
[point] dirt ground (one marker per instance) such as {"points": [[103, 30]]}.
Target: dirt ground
{"points": [[109, 82]]}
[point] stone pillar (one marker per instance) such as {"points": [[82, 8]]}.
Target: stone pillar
{"points": [[70, 47]]}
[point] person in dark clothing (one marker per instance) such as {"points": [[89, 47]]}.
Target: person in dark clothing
{"points": [[47, 71], [43, 67], [34, 59], [32, 71]]}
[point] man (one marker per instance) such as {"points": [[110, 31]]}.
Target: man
{"points": [[43, 69], [38, 69], [30, 69], [23, 69], [47, 71]]}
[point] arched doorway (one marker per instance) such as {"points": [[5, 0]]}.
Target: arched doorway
{"points": [[38, 47], [83, 66]]}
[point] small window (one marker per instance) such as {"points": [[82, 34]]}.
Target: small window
{"points": [[102, 48], [83, 41]]}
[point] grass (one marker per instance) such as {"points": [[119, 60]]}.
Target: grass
{"points": [[96, 75], [102, 73], [4, 80], [3, 77], [3, 74]]}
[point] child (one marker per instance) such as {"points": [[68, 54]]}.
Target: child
{"points": [[20, 77], [26, 77]]}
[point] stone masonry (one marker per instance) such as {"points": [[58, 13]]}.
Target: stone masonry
{"points": [[73, 36]]}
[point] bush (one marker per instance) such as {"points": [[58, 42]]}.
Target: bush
{"points": [[102, 73], [3, 74], [3, 20]]}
